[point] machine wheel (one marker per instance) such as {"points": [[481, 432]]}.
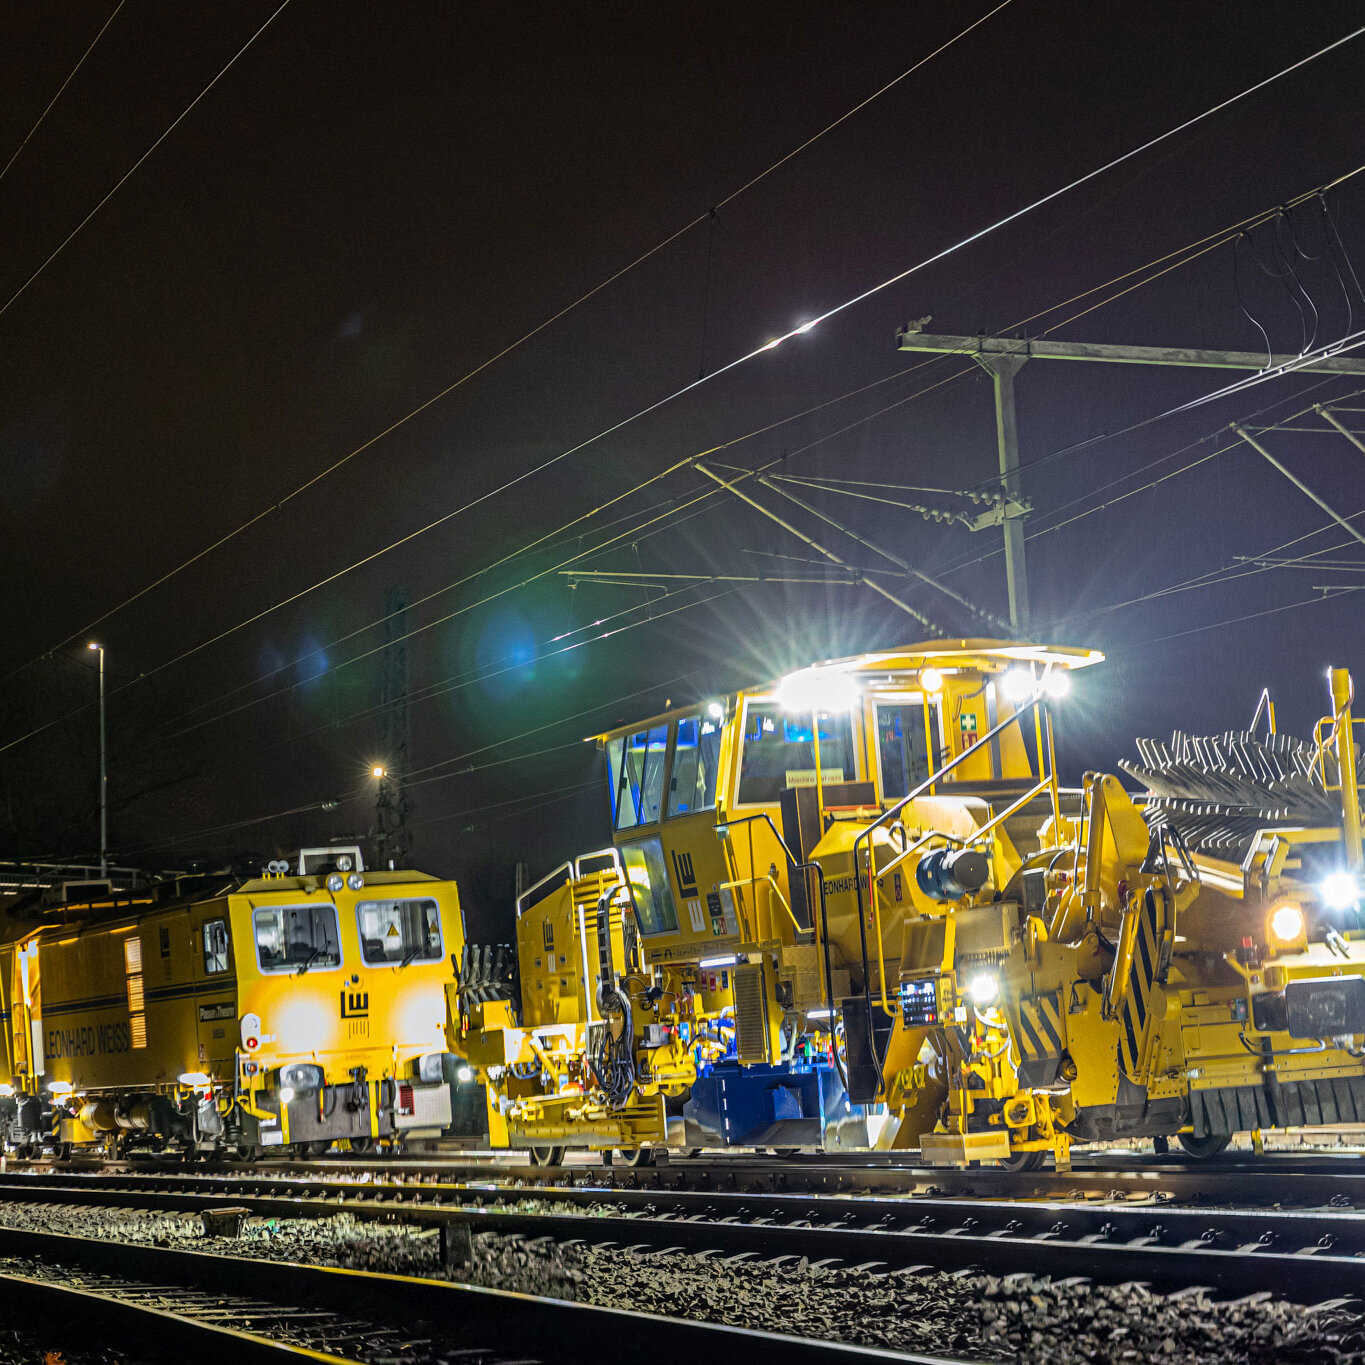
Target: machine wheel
{"points": [[547, 1156], [363, 1146], [785, 1153], [1023, 1161], [635, 1156], [318, 1148], [1204, 1148], [244, 1151]]}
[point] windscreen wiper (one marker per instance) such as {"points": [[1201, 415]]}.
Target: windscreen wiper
{"points": [[309, 960]]}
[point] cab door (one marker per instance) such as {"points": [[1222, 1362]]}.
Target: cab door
{"points": [[215, 987]]}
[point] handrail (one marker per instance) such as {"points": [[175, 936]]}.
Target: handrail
{"points": [[1036, 704], [572, 869], [1009, 810], [771, 882]]}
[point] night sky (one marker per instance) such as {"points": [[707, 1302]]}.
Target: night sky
{"points": [[373, 201]]}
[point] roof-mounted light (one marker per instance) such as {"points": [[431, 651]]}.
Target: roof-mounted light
{"points": [[818, 689]]}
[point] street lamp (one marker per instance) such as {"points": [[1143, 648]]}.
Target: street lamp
{"points": [[104, 773]]}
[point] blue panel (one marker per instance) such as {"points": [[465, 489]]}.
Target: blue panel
{"points": [[762, 1106]]}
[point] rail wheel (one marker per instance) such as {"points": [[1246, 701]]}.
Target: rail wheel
{"points": [[785, 1153], [635, 1156], [549, 1156], [1023, 1161], [362, 1146], [1204, 1148]]}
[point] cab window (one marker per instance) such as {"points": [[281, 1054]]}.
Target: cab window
{"points": [[636, 763], [696, 763], [297, 938], [779, 752], [215, 947], [394, 933], [648, 877], [901, 746]]}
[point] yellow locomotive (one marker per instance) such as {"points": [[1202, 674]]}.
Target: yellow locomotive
{"points": [[854, 907], [292, 1010]]}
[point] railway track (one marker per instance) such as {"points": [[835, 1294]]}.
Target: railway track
{"points": [[1305, 1255], [225, 1307], [1304, 1181]]}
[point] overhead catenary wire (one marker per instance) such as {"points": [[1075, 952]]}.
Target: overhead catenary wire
{"points": [[358, 791], [1327, 595], [14, 156], [674, 512], [511, 346], [1175, 256], [829, 313], [124, 178], [1038, 532]]}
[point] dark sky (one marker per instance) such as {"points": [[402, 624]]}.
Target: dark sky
{"points": [[374, 200]]}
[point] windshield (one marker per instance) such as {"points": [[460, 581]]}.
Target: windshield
{"points": [[696, 762], [779, 752], [636, 768], [297, 938], [394, 933]]}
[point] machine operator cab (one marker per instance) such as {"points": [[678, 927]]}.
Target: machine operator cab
{"points": [[739, 822]]}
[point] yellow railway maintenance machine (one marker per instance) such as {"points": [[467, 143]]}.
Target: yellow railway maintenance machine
{"points": [[291, 1010], [854, 907], [724, 976]]}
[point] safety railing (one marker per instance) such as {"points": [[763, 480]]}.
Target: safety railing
{"points": [[603, 860], [1035, 706], [769, 883]]}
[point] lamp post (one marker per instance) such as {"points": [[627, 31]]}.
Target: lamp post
{"points": [[104, 773]]}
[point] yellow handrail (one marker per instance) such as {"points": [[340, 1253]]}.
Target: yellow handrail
{"points": [[1048, 781]]}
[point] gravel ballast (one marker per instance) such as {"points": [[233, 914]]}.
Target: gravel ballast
{"points": [[1020, 1318]]}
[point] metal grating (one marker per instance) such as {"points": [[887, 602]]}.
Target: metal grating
{"points": [[751, 1014]]}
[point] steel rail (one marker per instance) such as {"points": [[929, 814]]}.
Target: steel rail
{"points": [[1301, 1255], [507, 1325], [44, 1305], [1254, 1181]]}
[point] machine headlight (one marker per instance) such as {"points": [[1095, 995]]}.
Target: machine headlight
{"points": [[355, 881], [335, 881], [1340, 890], [198, 1080], [1057, 684], [1287, 924], [60, 1089], [1018, 684], [931, 680], [464, 1075], [983, 990], [301, 1076], [431, 1068], [286, 1094]]}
